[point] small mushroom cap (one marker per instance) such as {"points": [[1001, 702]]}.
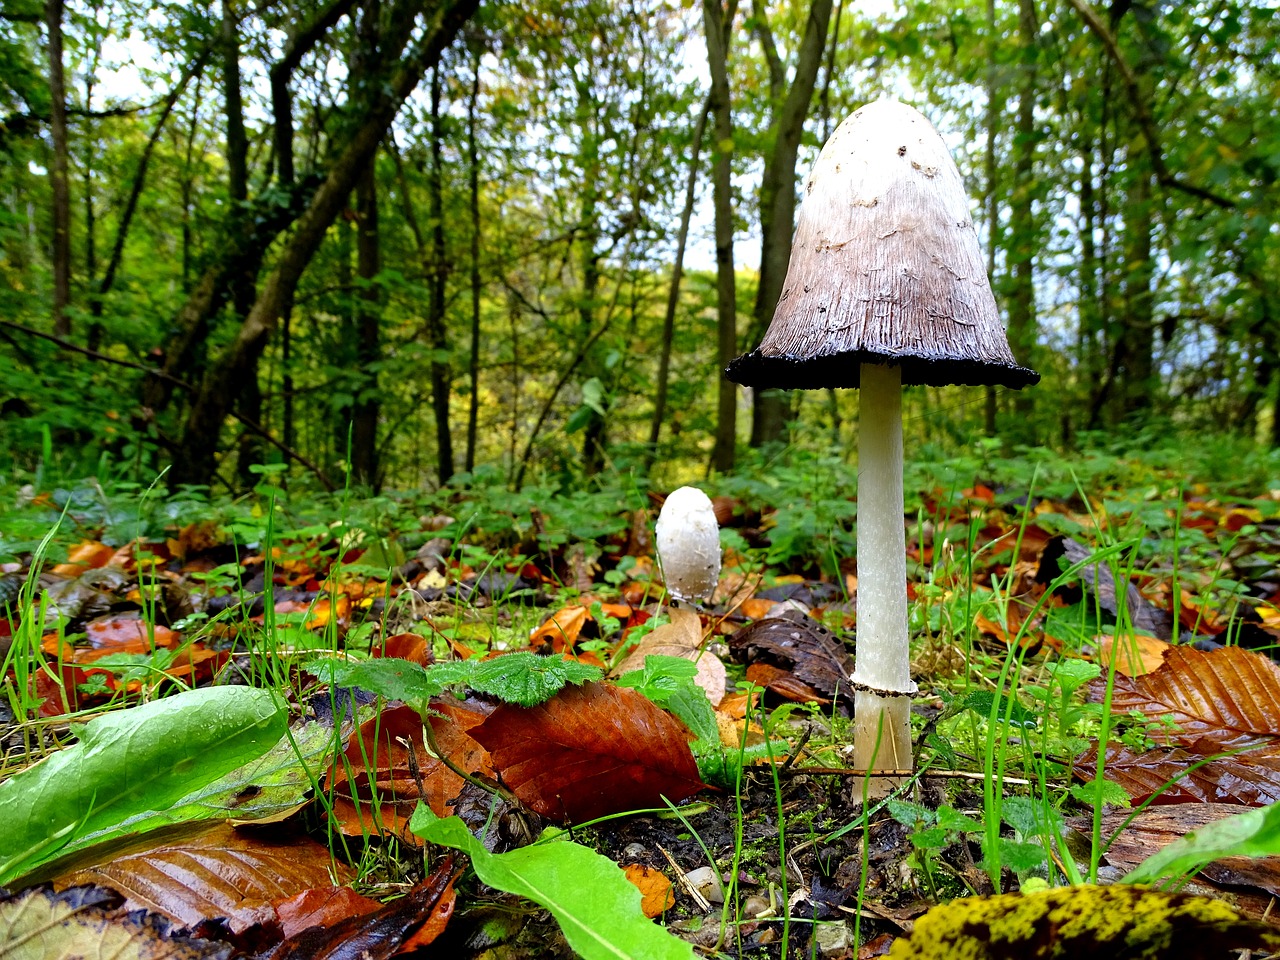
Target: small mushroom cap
{"points": [[687, 537], [885, 268]]}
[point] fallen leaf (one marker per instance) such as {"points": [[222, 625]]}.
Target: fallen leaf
{"points": [[682, 637], [656, 895], [589, 751], [1251, 778], [1139, 653], [561, 629], [86, 555], [387, 769], [1098, 580], [122, 630], [218, 872], [1223, 699], [321, 907], [802, 646], [90, 922], [784, 683]]}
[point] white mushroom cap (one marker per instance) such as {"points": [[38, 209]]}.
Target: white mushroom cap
{"points": [[885, 268], [688, 541]]}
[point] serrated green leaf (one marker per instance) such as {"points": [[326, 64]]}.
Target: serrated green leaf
{"points": [[388, 677], [142, 759], [526, 678], [596, 906], [1254, 833]]}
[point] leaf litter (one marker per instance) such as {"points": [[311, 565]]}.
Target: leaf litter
{"points": [[543, 740]]}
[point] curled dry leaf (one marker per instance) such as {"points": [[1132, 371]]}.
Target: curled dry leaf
{"points": [[590, 751], [1137, 654], [1251, 778], [656, 895], [801, 645]]}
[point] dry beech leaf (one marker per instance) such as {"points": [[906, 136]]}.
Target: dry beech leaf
{"points": [[1251, 778], [219, 872], [86, 555], [589, 751], [682, 637], [1138, 654], [656, 895], [321, 907], [784, 683], [561, 629], [1219, 700], [377, 764]]}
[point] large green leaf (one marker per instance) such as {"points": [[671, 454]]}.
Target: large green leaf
{"points": [[596, 906], [146, 758], [1254, 833]]}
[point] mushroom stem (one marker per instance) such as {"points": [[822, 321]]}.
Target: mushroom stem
{"points": [[882, 722]]}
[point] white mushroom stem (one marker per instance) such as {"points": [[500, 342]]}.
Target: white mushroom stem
{"points": [[882, 724]]}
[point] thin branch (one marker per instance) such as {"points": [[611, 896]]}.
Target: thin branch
{"points": [[1145, 122]]}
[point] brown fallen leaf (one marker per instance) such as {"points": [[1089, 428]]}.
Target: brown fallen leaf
{"points": [[1098, 580], [784, 683], [191, 875], [1251, 778], [561, 629], [1155, 827], [802, 646], [386, 768], [589, 751], [402, 926], [90, 922], [682, 637], [1222, 699], [321, 907]]}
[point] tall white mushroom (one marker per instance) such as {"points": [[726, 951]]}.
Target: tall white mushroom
{"points": [[886, 287]]}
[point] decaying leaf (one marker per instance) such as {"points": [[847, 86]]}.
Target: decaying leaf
{"points": [[801, 645], [1113, 922], [38, 924], [1225, 698], [656, 896], [218, 872], [1099, 581], [1134, 655], [590, 751]]}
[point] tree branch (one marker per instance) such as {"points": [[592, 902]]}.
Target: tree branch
{"points": [[1141, 114]]}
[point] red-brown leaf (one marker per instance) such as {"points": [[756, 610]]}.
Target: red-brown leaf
{"points": [[197, 875], [1251, 778], [590, 751], [1227, 698]]}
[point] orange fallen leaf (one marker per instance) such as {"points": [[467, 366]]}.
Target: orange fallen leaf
{"points": [[1138, 654], [656, 895], [561, 629], [86, 555]]}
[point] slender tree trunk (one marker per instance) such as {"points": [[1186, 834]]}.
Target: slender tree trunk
{"points": [[58, 172], [1023, 236], [1136, 367], [94, 340], [716, 28], [437, 331], [365, 409], [778, 192], [673, 292], [473, 185], [992, 124]]}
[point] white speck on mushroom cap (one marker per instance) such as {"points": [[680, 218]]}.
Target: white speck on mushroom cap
{"points": [[687, 538]]}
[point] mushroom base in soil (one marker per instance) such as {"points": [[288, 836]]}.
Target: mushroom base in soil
{"points": [[882, 678]]}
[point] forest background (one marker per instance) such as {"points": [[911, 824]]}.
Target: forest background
{"points": [[408, 243]]}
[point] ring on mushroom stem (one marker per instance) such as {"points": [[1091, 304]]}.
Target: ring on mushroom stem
{"points": [[886, 287]]}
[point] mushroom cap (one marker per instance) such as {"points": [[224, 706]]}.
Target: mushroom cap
{"points": [[687, 537], [885, 268]]}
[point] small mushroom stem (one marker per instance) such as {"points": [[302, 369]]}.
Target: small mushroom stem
{"points": [[882, 723]]}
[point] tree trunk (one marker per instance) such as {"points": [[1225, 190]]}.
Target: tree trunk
{"points": [[1023, 236], [778, 193], [195, 460], [437, 331], [992, 205], [673, 291], [1136, 362], [716, 27], [473, 185], [58, 172], [364, 411]]}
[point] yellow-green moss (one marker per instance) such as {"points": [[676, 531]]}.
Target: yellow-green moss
{"points": [[1111, 922]]}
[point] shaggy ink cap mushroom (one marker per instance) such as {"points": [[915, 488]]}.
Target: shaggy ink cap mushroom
{"points": [[885, 269], [886, 287], [687, 537]]}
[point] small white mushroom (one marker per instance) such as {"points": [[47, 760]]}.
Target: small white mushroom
{"points": [[688, 540]]}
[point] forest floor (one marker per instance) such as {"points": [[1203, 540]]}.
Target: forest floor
{"points": [[257, 775]]}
